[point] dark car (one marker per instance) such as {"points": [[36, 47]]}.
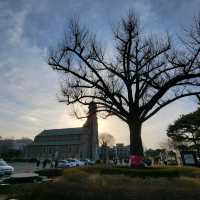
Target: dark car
{"points": [[172, 162], [147, 162]]}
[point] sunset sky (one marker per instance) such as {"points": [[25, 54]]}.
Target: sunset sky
{"points": [[28, 86]]}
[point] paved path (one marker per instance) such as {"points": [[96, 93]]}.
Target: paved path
{"points": [[25, 167], [3, 197]]}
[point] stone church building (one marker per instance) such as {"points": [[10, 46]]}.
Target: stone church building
{"points": [[65, 143]]}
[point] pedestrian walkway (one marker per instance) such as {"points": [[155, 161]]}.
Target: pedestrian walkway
{"points": [[3, 197]]}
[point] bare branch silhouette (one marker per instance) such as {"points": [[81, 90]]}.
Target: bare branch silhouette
{"points": [[143, 75]]}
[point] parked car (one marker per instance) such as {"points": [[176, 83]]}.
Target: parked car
{"points": [[172, 162], [5, 168], [87, 162], [64, 164], [75, 162], [147, 162], [1, 172], [91, 162]]}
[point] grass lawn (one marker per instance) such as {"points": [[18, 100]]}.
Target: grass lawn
{"points": [[104, 183]]}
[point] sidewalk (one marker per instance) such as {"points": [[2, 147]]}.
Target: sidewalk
{"points": [[3, 197]]}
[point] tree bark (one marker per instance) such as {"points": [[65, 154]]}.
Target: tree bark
{"points": [[136, 147]]}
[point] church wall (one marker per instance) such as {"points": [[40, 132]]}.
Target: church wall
{"points": [[53, 152], [62, 144], [84, 146], [40, 149]]}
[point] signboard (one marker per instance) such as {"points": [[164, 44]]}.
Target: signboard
{"points": [[189, 158]]}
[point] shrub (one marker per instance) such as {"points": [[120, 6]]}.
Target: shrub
{"points": [[103, 183], [169, 172]]}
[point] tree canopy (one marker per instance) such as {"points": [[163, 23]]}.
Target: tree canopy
{"points": [[187, 129]]}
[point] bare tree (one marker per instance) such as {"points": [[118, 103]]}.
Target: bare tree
{"points": [[106, 139], [142, 76], [198, 98]]}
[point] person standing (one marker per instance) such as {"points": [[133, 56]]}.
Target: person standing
{"points": [[51, 164], [37, 163], [44, 163], [56, 163]]}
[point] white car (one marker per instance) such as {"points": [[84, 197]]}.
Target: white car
{"points": [[90, 162], [5, 168], [87, 162], [64, 164], [80, 163], [75, 162]]}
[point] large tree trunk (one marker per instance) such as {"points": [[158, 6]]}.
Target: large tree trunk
{"points": [[136, 147]]}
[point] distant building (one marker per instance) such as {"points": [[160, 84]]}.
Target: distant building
{"points": [[20, 144], [122, 151], [119, 152], [79, 142], [7, 145]]}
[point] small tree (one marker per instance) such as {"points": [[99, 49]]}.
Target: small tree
{"points": [[142, 76], [106, 141], [187, 129]]}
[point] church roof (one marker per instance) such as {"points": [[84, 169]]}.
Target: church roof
{"points": [[64, 131]]}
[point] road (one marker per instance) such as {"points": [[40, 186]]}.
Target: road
{"points": [[24, 167]]}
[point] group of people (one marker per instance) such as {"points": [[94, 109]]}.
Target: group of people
{"points": [[45, 162]]}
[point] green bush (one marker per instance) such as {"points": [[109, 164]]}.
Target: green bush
{"points": [[78, 184], [104, 183], [156, 172], [147, 172]]}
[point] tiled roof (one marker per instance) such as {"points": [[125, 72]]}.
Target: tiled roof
{"points": [[65, 131], [54, 143]]}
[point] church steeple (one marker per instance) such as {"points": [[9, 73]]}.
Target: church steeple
{"points": [[92, 125]]}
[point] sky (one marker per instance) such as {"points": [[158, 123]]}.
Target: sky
{"points": [[28, 86]]}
